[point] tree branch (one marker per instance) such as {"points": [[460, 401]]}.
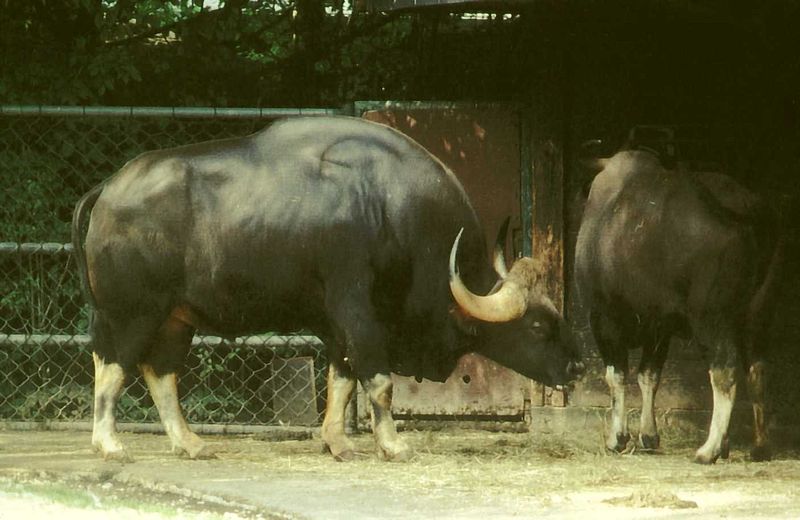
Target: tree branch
{"points": [[162, 29]]}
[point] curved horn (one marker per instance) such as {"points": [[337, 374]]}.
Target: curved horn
{"points": [[506, 304], [498, 256]]}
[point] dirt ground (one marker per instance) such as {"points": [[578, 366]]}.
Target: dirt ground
{"points": [[454, 474]]}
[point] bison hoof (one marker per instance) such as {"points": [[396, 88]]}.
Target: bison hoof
{"points": [[650, 442], [760, 454], [117, 456], [342, 451], [205, 453], [702, 457], [111, 449], [201, 453], [344, 456], [619, 443], [402, 454]]}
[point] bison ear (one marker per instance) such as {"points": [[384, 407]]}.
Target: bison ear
{"points": [[465, 323]]}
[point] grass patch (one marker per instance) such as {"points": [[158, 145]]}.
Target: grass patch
{"points": [[82, 496], [52, 492]]}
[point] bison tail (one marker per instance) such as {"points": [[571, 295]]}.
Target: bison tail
{"points": [[79, 217]]}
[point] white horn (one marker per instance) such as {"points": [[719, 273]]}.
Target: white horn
{"points": [[507, 304], [498, 256]]}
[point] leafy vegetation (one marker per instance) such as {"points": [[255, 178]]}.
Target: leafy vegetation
{"points": [[242, 53]]}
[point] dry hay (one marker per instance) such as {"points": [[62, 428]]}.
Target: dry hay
{"points": [[539, 466], [651, 498], [486, 463]]}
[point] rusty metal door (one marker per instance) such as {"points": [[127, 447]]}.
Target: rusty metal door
{"points": [[481, 144]]}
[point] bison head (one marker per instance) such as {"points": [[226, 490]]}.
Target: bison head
{"points": [[516, 324]]}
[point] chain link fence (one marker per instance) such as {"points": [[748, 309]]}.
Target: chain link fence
{"points": [[49, 157]]}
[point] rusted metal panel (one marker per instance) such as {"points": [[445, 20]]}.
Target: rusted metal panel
{"points": [[478, 386], [547, 233], [482, 147], [548, 120], [548, 212]]}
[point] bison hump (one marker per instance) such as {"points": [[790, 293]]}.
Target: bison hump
{"points": [[728, 194]]}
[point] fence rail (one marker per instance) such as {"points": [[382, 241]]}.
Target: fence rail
{"points": [[10, 248], [186, 112], [49, 157]]}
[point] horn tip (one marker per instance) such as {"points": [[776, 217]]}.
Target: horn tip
{"points": [[453, 251]]}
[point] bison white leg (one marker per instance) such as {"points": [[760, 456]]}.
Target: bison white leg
{"points": [[108, 381], [164, 390], [340, 390], [648, 432], [390, 445], [618, 434], [755, 389], [723, 385]]}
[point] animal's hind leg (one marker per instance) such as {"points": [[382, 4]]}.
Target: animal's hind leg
{"points": [[341, 385], [160, 372], [755, 389], [649, 377], [108, 381], [115, 344]]}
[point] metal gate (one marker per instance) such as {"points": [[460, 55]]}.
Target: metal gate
{"points": [[484, 145]]}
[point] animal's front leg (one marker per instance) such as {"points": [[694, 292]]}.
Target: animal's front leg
{"points": [[390, 445], [608, 336], [351, 309], [341, 385], [723, 385], [618, 435]]}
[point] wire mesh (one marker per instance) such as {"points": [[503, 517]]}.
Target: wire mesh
{"points": [[46, 163]]}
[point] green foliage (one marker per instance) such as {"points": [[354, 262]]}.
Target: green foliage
{"points": [[41, 382], [34, 194], [40, 295], [248, 53], [132, 408], [181, 53], [218, 407], [68, 402], [215, 361]]}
